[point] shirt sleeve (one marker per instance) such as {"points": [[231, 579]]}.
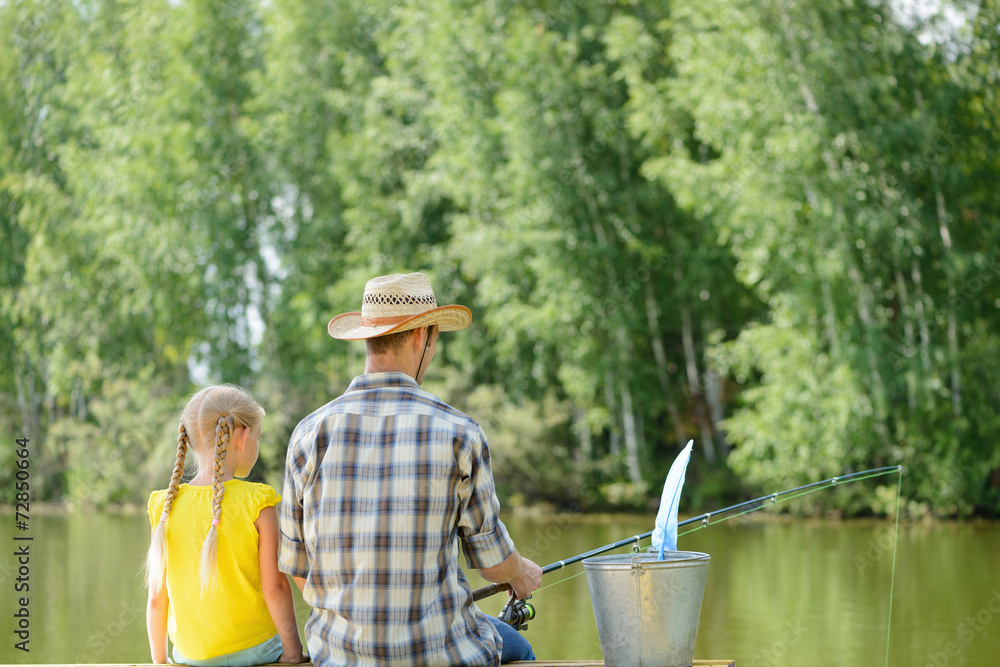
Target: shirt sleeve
{"points": [[263, 496], [484, 537], [292, 556]]}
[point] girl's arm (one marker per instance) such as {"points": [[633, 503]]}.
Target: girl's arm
{"points": [[277, 591], [157, 608]]}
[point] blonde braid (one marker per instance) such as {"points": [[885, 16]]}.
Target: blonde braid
{"points": [[183, 442], [156, 557], [209, 561]]}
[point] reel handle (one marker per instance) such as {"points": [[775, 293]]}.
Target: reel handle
{"points": [[487, 591]]}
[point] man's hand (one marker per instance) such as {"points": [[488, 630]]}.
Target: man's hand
{"points": [[529, 580], [522, 575]]}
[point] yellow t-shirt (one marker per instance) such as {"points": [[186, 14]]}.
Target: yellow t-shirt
{"points": [[235, 616]]}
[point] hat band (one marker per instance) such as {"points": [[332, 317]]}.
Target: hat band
{"points": [[382, 321]]}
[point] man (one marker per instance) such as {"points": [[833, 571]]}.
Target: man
{"points": [[383, 486]]}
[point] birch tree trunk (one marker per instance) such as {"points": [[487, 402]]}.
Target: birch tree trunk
{"points": [[941, 211], [631, 436], [28, 399], [713, 393], [906, 317], [615, 440], [865, 302], [619, 358], [919, 306], [949, 273], [830, 317], [694, 383], [660, 358], [582, 429]]}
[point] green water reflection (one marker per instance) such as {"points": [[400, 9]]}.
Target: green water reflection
{"points": [[779, 592]]}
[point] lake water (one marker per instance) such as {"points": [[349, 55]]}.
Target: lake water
{"points": [[779, 592]]}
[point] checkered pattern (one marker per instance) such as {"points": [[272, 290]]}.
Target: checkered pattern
{"points": [[382, 487]]}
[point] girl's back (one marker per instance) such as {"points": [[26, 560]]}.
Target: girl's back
{"points": [[233, 614], [212, 564]]}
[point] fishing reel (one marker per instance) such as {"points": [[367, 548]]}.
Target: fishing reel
{"points": [[517, 613]]}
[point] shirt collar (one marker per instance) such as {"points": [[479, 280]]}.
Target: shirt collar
{"points": [[382, 381]]}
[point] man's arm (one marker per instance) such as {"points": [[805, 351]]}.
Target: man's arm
{"points": [[523, 576], [292, 557], [484, 537]]}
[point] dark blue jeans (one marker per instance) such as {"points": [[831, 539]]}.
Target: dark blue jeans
{"points": [[515, 646]]}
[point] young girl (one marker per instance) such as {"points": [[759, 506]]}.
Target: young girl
{"points": [[212, 568]]}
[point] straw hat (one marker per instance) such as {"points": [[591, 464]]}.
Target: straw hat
{"points": [[395, 303]]}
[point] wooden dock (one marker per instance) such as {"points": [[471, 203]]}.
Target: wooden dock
{"points": [[538, 663], [600, 663]]}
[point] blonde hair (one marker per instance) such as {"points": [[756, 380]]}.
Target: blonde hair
{"points": [[210, 416]]}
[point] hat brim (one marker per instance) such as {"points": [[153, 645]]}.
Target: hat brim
{"points": [[348, 326]]}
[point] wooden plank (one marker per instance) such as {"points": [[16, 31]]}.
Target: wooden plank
{"points": [[539, 663], [600, 663]]}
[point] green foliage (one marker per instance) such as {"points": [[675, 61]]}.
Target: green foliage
{"points": [[120, 452], [770, 226], [841, 194], [803, 419], [530, 446]]}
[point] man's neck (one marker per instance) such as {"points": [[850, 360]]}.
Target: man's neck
{"points": [[384, 363]]}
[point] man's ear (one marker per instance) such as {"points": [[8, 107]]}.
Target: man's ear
{"points": [[418, 339]]}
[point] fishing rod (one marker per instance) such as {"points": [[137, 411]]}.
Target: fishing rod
{"points": [[707, 519]]}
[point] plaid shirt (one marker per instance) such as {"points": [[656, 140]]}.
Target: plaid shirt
{"points": [[382, 485]]}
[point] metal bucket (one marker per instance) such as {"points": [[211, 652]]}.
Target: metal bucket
{"points": [[647, 610]]}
